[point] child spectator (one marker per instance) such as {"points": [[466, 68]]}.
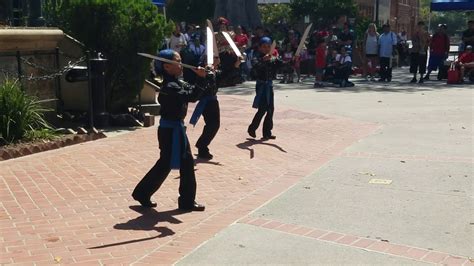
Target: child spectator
{"points": [[330, 70], [320, 63], [297, 66], [343, 68], [288, 69]]}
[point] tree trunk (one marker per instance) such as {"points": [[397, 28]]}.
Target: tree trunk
{"points": [[239, 12]]}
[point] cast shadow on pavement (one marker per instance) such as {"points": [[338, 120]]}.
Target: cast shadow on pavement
{"points": [[250, 142], [203, 161], [146, 222]]}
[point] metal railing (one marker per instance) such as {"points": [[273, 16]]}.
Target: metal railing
{"points": [[21, 60]]}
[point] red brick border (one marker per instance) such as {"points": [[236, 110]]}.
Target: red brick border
{"points": [[358, 242], [25, 149], [409, 157]]}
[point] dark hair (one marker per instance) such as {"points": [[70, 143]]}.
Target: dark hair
{"points": [[167, 54], [386, 26], [470, 22], [421, 23]]}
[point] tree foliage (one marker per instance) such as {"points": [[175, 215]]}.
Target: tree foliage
{"points": [[118, 29], [276, 14], [191, 11], [456, 21], [323, 10]]}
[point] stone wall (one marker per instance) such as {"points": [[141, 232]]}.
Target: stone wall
{"points": [[36, 48], [43, 89]]}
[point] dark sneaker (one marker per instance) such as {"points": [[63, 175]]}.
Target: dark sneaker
{"points": [[193, 208], [343, 83], [420, 81], [413, 80], [268, 137], [147, 203], [251, 133], [205, 155], [318, 85]]}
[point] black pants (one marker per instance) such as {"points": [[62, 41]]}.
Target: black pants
{"points": [[264, 108], [385, 68], [343, 73], [418, 63], [158, 173], [212, 118]]}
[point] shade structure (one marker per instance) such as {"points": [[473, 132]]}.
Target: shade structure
{"points": [[452, 5], [159, 3]]}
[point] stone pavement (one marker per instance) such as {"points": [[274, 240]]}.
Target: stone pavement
{"points": [[422, 148], [73, 205]]}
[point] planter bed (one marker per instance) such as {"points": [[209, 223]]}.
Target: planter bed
{"points": [[22, 149]]}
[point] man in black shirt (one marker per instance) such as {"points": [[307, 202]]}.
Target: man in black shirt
{"points": [[175, 152], [468, 35], [346, 39]]}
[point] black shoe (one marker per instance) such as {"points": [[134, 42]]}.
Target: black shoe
{"points": [[251, 133], [194, 208], [413, 80], [147, 203], [381, 80], [205, 155], [268, 137], [282, 81], [343, 84], [426, 77], [389, 80], [420, 81]]}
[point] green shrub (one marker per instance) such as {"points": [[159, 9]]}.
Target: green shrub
{"points": [[118, 29], [19, 113]]}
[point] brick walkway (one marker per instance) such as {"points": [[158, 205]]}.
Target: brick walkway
{"points": [[73, 205]]}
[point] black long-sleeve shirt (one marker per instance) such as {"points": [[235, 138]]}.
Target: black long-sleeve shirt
{"points": [[264, 70], [213, 84], [175, 96]]}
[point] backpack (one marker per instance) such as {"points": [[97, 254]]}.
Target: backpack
{"points": [[453, 74]]}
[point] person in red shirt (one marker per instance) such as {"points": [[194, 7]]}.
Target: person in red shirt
{"points": [[439, 49], [321, 54], [466, 62], [241, 39]]}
